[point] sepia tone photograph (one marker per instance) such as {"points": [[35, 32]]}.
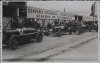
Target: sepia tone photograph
{"points": [[50, 31]]}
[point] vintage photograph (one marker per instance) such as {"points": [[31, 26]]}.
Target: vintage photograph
{"points": [[50, 31]]}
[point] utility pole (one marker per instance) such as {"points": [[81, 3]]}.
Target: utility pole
{"points": [[18, 13]]}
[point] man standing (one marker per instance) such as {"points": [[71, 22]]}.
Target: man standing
{"points": [[70, 27], [15, 23]]}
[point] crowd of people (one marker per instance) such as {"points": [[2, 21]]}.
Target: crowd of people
{"points": [[70, 26], [26, 23]]}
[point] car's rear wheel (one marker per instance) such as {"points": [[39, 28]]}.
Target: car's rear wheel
{"points": [[78, 32], [13, 43], [59, 33], [39, 37]]}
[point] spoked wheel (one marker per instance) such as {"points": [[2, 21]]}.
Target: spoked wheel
{"points": [[59, 33], [39, 37], [47, 33], [13, 44], [78, 32]]}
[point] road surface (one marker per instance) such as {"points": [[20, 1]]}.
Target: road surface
{"points": [[48, 43], [84, 52]]}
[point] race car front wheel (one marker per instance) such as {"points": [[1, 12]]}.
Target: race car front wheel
{"points": [[13, 43]]}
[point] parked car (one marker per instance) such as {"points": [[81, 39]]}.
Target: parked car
{"points": [[13, 38]]}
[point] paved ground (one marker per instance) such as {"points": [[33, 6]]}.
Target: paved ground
{"points": [[84, 52], [48, 43]]}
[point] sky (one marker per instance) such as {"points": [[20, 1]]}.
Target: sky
{"points": [[76, 7]]}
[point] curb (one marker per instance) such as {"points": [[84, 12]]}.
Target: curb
{"points": [[60, 50]]}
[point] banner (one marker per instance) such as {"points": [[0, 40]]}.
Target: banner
{"points": [[38, 13]]}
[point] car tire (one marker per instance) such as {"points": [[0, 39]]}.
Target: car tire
{"points": [[39, 37], [13, 43], [77, 32]]}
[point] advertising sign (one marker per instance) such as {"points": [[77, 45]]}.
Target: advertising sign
{"points": [[33, 12]]}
